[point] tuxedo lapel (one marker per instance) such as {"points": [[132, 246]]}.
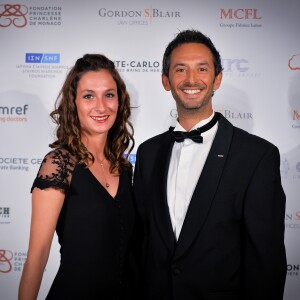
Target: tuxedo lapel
{"points": [[161, 209], [206, 187]]}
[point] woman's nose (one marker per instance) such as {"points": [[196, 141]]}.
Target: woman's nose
{"points": [[100, 104]]}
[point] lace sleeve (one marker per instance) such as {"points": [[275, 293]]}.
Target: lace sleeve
{"points": [[55, 171]]}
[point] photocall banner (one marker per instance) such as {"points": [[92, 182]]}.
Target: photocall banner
{"points": [[40, 40]]}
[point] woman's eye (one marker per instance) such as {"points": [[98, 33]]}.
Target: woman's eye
{"points": [[88, 96], [110, 95]]}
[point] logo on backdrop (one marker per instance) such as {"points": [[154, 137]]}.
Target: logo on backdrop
{"points": [[240, 18], [6, 257], [295, 117], [4, 215], [284, 167], [14, 114], [238, 68], [19, 15], [46, 58], [292, 220], [174, 113], [294, 65], [18, 163], [13, 15], [11, 261], [294, 62], [131, 158], [290, 170], [234, 114], [293, 270], [42, 65], [137, 66], [137, 17]]}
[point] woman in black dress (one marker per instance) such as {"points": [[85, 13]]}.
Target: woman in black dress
{"points": [[83, 190]]}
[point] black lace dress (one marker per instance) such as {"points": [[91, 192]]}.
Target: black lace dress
{"points": [[93, 229]]}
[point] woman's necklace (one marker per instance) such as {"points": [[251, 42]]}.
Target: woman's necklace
{"points": [[102, 167]]}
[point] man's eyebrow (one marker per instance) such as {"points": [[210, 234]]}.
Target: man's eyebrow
{"points": [[181, 64]]}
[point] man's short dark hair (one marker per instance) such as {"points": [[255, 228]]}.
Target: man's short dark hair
{"points": [[191, 36]]}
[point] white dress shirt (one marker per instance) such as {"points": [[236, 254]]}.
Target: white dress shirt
{"points": [[186, 164]]}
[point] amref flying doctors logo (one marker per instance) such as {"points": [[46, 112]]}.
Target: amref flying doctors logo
{"points": [[17, 114]]}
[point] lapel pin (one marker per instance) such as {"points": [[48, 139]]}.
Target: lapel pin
{"points": [[220, 155]]}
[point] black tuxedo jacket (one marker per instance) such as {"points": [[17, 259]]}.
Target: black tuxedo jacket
{"points": [[231, 245]]}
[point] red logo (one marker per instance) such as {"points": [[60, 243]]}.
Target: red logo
{"points": [[296, 116], [13, 14], [5, 258], [294, 62], [240, 14]]}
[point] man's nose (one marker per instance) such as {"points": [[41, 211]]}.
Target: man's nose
{"points": [[192, 76]]}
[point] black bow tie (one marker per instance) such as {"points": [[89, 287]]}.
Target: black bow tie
{"points": [[194, 135]]}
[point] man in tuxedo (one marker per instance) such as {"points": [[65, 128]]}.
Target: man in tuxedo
{"points": [[209, 194]]}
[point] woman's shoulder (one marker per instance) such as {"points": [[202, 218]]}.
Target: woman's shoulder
{"points": [[56, 169], [60, 156]]}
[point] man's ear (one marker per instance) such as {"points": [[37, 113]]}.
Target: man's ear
{"points": [[165, 82], [218, 81]]}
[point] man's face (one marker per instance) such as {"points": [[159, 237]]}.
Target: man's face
{"points": [[192, 78]]}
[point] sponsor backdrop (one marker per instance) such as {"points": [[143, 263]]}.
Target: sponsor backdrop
{"points": [[260, 48]]}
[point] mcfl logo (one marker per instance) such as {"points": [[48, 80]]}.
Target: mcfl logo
{"points": [[240, 14]]}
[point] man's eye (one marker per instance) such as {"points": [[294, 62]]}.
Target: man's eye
{"points": [[179, 70], [202, 69]]}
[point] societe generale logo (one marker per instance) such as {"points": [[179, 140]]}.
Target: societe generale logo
{"points": [[13, 15], [240, 14]]}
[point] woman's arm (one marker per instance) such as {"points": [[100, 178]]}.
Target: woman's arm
{"points": [[46, 206]]}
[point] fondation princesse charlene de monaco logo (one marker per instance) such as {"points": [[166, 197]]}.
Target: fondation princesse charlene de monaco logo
{"points": [[13, 15], [5, 261], [19, 15]]}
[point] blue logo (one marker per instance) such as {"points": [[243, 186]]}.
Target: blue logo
{"points": [[43, 58], [231, 65], [284, 167], [131, 158]]}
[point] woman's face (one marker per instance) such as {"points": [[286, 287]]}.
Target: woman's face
{"points": [[97, 102]]}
